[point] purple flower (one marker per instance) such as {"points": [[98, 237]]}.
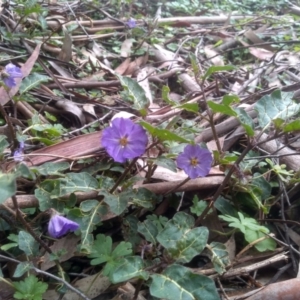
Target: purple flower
{"points": [[11, 72], [59, 226], [131, 23], [19, 152], [195, 161], [124, 140]]}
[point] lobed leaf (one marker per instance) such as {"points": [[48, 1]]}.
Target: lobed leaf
{"points": [[130, 267], [182, 242], [277, 105], [30, 288], [178, 282]]}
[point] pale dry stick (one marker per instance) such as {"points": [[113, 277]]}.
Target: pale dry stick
{"points": [[222, 289], [288, 156], [247, 83], [251, 245], [39, 271], [88, 125], [247, 269]]}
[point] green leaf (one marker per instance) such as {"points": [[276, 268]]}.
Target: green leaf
{"points": [[77, 182], [88, 205], [22, 268], [102, 252], [50, 168], [32, 81], [44, 194], [149, 230], [163, 134], [221, 108], [277, 105], [7, 186], [292, 126], [8, 246], [117, 203], [245, 120], [3, 143], [198, 206], [141, 197], [192, 107], [251, 230], [194, 62], [166, 163], [214, 69], [95, 210], [131, 267], [165, 95], [30, 288], [225, 207], [219, 256], [28, 244], [135, 92], [178, 282], [264, 186], [265, 245], [182, 242], [228, 99]]}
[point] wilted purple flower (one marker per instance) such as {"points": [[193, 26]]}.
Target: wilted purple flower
{"points": [[124, 140], [195, 161], [59, 226], [11, 72], [19, 152], [131, 23]]}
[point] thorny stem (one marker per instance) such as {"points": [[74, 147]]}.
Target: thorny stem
{"points": [[68, 285]]}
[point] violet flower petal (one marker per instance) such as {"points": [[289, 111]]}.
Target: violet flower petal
{"points": [[18, 155], [124, 140], [12, 72], [195, 161], [59, 226], [131, 23]]}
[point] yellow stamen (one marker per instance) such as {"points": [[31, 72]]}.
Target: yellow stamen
{"points": [[194, 162], [123, 141]]}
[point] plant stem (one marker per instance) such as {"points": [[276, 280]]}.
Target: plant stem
{"points": [[12, 136], [224, 183]]}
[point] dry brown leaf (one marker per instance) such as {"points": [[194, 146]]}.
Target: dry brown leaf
{"points": [[213, 56], [26, 69], [142, 79], [72, 108], [253, 37], [66, 50], [261, 53], [127, 291], [78, 146], [90, 109], [231, 247], [69, 243], [135, 65], [126, 48], [92, 286], [284, 290], [121, 69]]}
